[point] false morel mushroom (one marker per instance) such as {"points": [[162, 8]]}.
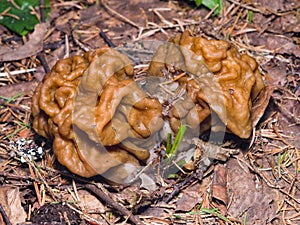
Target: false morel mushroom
{"points": [[220, 80], [90, 106], [103, 122]]}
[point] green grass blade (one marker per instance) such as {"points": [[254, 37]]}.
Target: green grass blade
{"points": [[177, 140], [169, 143]]}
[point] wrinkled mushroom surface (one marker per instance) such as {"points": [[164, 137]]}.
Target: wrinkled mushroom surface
{"points": [[102, 122], [90, 106], [221, 79]]}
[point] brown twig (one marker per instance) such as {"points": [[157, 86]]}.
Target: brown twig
{"points": [[17, 177], [178, 187], [4, 215], [78, 42], [106, 39], [107, 198], [41, 57], [54, 45], [14, 107], [5, 13]]}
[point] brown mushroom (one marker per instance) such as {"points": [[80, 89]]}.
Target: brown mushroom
{"points": [[220, 77], [91, 107], [102, 122]]}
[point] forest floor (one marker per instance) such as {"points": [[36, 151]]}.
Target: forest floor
{"points": [[260, 185]]}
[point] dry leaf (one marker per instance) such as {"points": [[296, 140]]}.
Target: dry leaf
{"points": [[191, 196], [219, 187], [30, 48], [261, 103], [147, 182], [11, 203], [250, 198], [90, 203]]}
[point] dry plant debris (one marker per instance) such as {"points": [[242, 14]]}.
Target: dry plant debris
{"points": [[262, 183]]}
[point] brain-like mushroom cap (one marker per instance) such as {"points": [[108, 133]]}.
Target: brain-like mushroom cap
{"points": [[90, 106], [102, 122], [222, 78]]}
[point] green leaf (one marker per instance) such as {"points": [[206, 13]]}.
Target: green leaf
{"points": [[250, 13], [172, 150], [245, 219], [212, 4], [15, 132], [198, 2], [172, 176], [177, 216], [169, 143], [19, 17]]}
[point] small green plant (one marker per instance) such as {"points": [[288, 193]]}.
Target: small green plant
{"points": [[21, 16], [211, 4], [201, 211], [213, 211], [245, 219], [250, 16], [171, 149]]}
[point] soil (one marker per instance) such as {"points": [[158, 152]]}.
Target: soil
{"points": [[260, 185]]}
